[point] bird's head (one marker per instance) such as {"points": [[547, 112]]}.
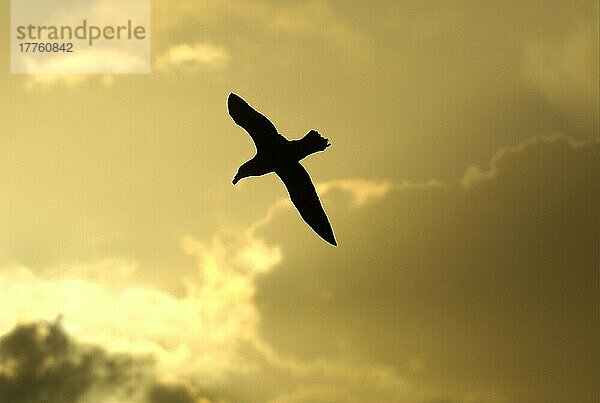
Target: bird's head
{"points": [[247, 169], [241, 174]]}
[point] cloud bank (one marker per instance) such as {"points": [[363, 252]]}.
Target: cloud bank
{"points": [[433, 278]]}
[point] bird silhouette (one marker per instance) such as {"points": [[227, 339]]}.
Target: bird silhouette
{"points": [[275, 153]]}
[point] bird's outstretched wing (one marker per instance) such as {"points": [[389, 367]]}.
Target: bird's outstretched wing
{"points": [[305, 198], [262, 131]]}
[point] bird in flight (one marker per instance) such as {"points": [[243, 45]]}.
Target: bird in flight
{"points": [[275, 153]]}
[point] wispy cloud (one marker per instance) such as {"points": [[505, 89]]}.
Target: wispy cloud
{"points": [[306, 19], [191, 56], [364, 191], [565, 72], [109, 61], [474, 174]]}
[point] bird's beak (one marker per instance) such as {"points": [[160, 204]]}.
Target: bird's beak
{"points": [[236, 179]]}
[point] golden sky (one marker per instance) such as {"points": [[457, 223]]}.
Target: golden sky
{"points": [[462, 185]]}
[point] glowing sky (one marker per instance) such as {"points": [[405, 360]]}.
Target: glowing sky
{"points": [[462, 185]]}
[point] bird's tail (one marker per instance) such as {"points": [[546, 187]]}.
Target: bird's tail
{"points": [[311, 143]]}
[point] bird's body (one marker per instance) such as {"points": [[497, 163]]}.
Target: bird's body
{"points": [[287, 151], [275, 153]]}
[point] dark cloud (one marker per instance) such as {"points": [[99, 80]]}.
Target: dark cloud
{"points": [[492, 287], [40, 363], [175, 392]]}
